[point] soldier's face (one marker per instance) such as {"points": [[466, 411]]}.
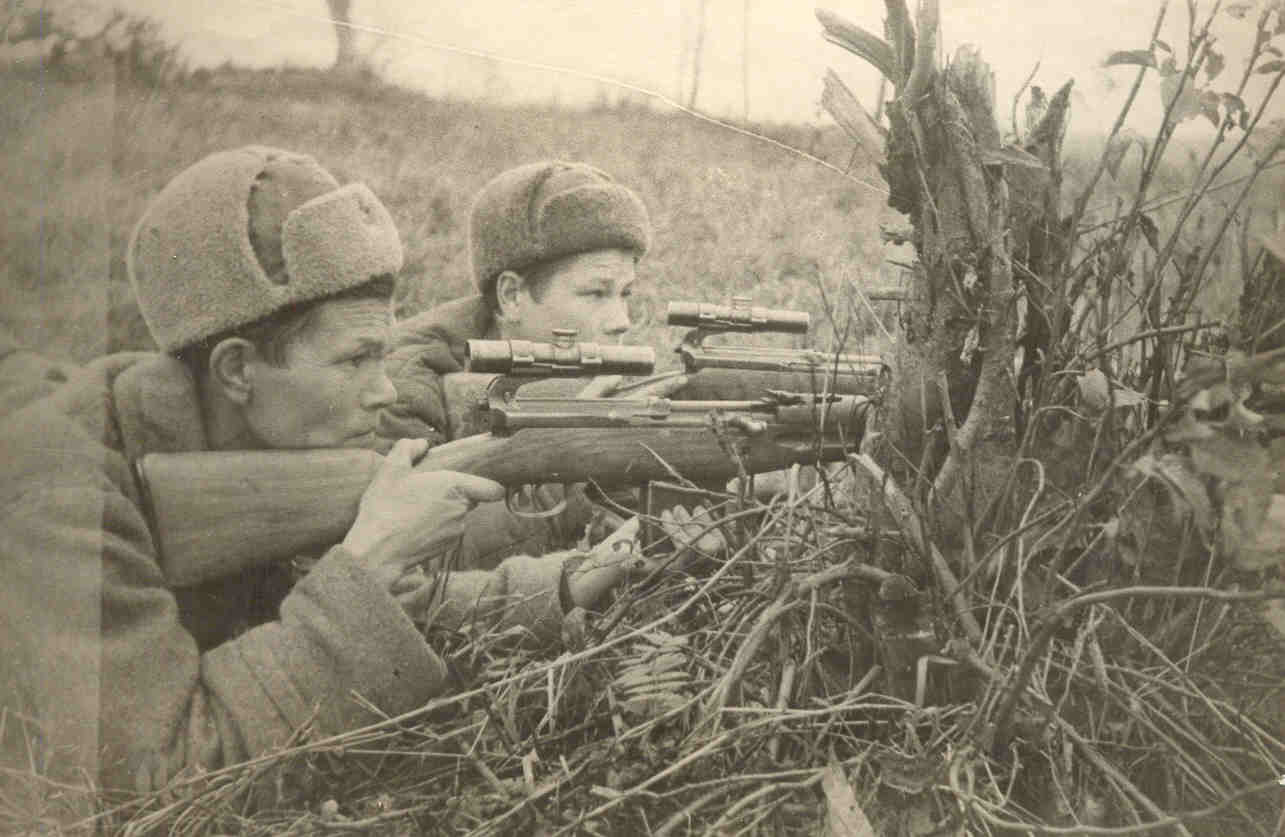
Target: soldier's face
{"points": [[588, 292], [332, 384]]}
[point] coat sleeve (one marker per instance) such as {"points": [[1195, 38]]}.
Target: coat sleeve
{"points": [[523, 592], [124, 696]]}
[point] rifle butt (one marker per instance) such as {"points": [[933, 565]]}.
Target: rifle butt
{"points": [[214, 514]]}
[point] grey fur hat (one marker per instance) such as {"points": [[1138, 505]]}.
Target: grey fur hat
{"points": [[244, 233], [546, 210]]}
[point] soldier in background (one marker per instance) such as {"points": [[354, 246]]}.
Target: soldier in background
{"points": [[552, 245]]}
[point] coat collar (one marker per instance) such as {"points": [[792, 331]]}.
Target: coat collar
{"points": [[440, 333], [157, 408]]}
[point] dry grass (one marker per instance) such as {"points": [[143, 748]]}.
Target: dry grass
{"points": [[716, 703]]}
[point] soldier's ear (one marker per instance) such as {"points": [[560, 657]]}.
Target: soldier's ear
{"points": [[230, 369], [508, 293]]}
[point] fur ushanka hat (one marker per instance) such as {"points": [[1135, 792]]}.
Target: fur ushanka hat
{"points": [[543, 211], [244, 233]]}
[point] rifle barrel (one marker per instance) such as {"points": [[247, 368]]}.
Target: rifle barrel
{"points": [[521, 413]]}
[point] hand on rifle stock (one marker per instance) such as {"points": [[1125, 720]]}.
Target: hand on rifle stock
{"points": [[405, 515]]}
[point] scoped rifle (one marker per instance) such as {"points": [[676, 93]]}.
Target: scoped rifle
{"points": [[215, 513], [721, 371], [497, 368]]}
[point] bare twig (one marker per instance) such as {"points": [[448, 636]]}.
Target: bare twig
{"points": [[1018, 97]]}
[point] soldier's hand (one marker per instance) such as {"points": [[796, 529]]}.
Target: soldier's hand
{"points": [[693, 534], [620, 544], [407, 514], [608, 564], [619, 557]]}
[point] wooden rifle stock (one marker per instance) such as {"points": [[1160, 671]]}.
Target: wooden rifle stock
{"points": [[216, 513]]}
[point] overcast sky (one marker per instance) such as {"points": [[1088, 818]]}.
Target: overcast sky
{"points": [[640, 43]]}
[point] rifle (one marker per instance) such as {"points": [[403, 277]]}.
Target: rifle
{"points": [[497, 368], [722, 372], [217, 513]]}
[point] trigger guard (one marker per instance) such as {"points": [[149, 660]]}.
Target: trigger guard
{"points": [[558, 509]]}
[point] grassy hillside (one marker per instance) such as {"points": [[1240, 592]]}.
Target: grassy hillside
{"points": [[733, 215], [79, 161]]}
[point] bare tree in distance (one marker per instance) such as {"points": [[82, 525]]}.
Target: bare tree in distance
{"points": [[697, 49], [346, 57], [745, 62]]}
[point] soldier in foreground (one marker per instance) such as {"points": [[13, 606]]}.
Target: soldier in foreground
{"points": [[268, 287]]}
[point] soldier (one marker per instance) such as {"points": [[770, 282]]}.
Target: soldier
{"points": [[268, 288], [552, 245]]}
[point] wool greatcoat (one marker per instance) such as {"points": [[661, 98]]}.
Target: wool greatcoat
{"points": [[109, 677]]}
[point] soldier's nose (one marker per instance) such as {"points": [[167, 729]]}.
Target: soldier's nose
{"points": [[616, 322]]}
